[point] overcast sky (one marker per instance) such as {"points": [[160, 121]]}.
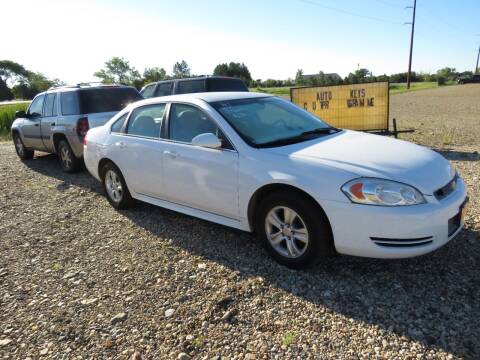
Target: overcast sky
{"points": [[70, 40]]}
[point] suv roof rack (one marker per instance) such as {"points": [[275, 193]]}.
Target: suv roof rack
{"points": [[84, 84]]}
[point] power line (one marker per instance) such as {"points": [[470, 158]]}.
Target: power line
{"points": [[349, 12], [389, 4]]}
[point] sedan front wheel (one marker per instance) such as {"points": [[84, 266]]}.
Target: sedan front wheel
{"points": [[293, 229]]}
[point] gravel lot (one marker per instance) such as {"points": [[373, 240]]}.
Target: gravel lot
{"points": [[81, 280]]}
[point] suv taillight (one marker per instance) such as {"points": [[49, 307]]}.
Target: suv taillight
{"points": [[82, 127]]}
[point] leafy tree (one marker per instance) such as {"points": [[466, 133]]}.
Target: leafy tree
{"points": [[448, 73], [154, 74], [118, 70], [181, 70], [10, 71], [33, 84], [299, 78], [233, 69], [359, 76], [5, 93]]}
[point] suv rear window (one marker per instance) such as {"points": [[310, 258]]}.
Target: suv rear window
{"points": [[107, 99], [226, 85], [191, 86]]}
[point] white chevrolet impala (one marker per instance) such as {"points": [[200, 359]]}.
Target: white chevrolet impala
{"points": [[259, 163]]}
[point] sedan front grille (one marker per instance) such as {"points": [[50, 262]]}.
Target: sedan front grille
{"points": [[388, 242], [446, 190]]}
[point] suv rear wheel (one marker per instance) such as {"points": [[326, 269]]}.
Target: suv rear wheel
{"points": [[68, 161], [294, 230], [115, 187], [22, 152]]}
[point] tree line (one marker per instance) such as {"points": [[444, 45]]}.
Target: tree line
{"points": [[17, 82]]}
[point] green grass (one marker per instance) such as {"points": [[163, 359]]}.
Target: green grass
{"points": [[398, 88], [288, 339], [279, 91], [7, 115], [395, 88]]}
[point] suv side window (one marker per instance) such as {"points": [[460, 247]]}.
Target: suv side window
{"points": [[118, 125], [146, 121], [148, 91], [69, 101], [35, 109], [50, 108], [191, 86], [164, 89], [187, 121]]}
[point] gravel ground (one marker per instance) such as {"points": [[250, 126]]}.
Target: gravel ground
{"points": [[81, 280]]}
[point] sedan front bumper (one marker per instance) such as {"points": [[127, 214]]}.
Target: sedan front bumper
{"points": [[396, 232]]}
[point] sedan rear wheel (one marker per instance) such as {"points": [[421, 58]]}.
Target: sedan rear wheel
{"points": [[115, 187]]}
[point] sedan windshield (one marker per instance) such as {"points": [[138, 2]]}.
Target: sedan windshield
{"points": [[270, 121]]}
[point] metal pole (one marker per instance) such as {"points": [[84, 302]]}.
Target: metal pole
{"points": [[478, 57], [411, 45]]}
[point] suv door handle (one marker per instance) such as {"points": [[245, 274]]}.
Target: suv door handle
{"points": [[52, 124], [36, 124], [170, 154], [120, 144]]}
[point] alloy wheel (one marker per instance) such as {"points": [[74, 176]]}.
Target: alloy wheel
{"points": [[66, 157], [286, 231], [19, 146], [113, 186]]}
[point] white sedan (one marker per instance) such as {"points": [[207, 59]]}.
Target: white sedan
{"points": [[259, 163]]}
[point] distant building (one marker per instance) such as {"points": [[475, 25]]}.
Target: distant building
{"points": [[334, 77]]}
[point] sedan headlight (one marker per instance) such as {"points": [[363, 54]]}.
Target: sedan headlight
{"points": [[372, 191]]}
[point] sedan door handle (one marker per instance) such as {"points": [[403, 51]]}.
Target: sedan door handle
{"points": [[171, 154], [121, 144]]}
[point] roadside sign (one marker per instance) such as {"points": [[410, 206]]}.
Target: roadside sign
{"points": [[356, 106]]}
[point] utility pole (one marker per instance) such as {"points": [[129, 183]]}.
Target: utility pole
{"points": [[411, 44], [478, 57]]}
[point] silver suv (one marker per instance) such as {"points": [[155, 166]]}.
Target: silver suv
{"points": [[57, 120]]}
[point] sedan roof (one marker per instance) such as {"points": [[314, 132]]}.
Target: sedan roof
{"points": [[206, 96]]}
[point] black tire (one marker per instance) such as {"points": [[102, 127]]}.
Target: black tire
{"points": [[124, 201], [22, 152], [68, 161], [320, 239]]}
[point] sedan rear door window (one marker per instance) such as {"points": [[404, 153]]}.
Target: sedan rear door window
{"points": [[146, 121]]}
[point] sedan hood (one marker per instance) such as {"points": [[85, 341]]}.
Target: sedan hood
{"points": [[378, 156]]}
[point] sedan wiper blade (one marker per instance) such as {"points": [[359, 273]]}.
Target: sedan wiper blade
{"points": [[300, 137], [328, 130]]}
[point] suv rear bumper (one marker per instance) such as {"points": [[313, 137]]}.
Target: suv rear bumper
{"points": [[76, 144]]}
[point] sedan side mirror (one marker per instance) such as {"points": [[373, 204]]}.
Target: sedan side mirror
{"points": [[20, 114], [207, 140]]}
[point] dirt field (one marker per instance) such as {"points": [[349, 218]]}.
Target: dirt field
{"points": [[81, 280], [443, 117]]}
